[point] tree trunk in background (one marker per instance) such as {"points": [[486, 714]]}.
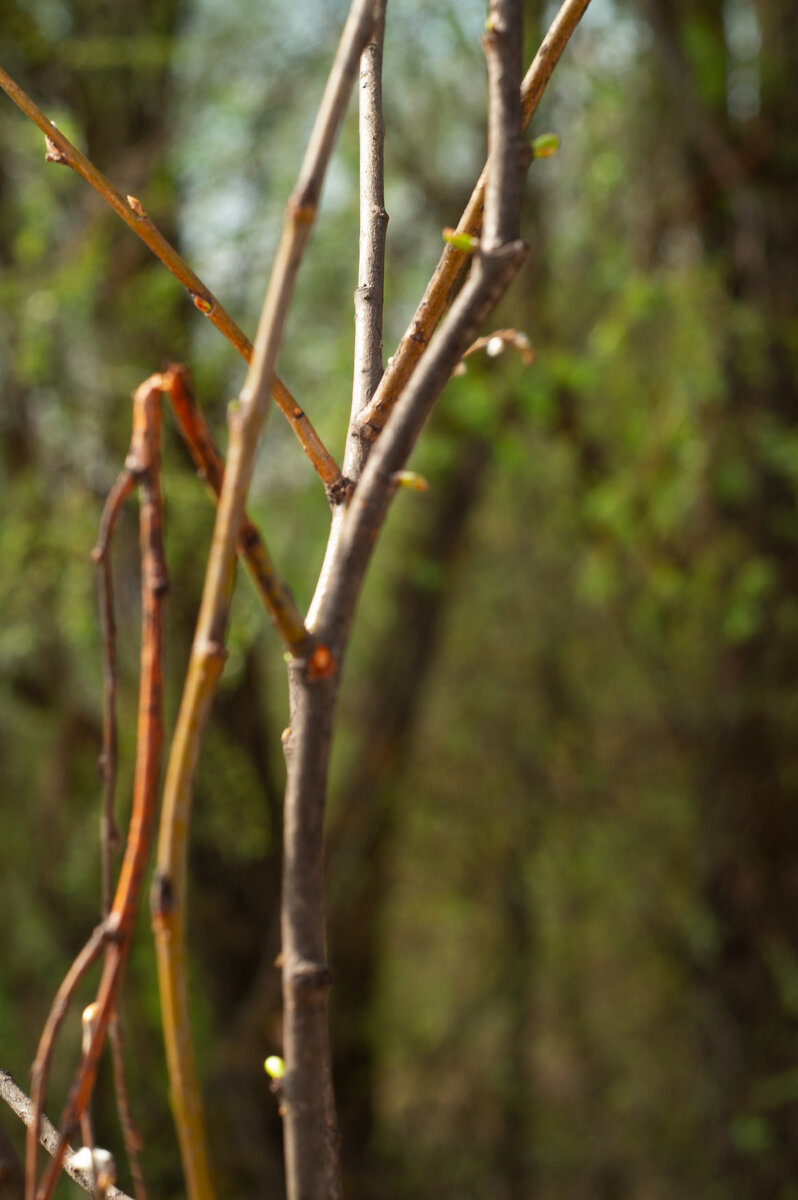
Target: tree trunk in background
{"points": [[742, 176]]}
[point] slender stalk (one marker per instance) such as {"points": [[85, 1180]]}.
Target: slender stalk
{"points": [[41, 1065], [130, 1133], [61, 150], [274, 593], [143, 463], [109, 833], [369, 296], [207, 655], [444, 278]]}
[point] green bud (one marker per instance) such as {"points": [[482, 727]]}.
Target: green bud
{"points": [[545, 146], [274, 1066], [461, 241], [411, 479]]}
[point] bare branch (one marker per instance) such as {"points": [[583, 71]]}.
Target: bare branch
{"points": [[23, 1107], [274, 593], [61, 150], [207, 656], [370, 294], [41, 1065], [494, 265], [440, 287], [143, 464]]}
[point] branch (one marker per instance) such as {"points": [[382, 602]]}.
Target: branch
{"points": [[40, 1070], [370, 294], [440, 287], [143, 463], [23, 1107], [208, 653], [495, 263], [274, 593], [61, 150]]}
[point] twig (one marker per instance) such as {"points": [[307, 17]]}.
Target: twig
{"points": [[370, 294], [41, 1064], [61, 150], [143, 464], [109, 838], [130, 1133], [497, 260], [208, 653], [440, 287], [109, 832], [22, 1106], [274, 593]]}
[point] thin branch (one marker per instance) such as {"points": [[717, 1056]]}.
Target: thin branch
{"points": [[61, 150], [109, 832], [208, 653], [444, 278], [273, 591], [22, 1106], [370, 294], [40, 1070], [494, 265], [143, 463], [130, 1132]]}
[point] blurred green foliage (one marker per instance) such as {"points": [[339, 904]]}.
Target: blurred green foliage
{"points": [[563, 820]]}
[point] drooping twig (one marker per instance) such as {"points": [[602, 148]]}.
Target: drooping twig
{"points": [[274, 593], [23, 1107], [41, 1065], [61, 150], [143, 465], [369, 297], [109, 837], [442, 282]]}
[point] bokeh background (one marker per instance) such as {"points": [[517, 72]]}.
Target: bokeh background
{"points": [[563, 826]]}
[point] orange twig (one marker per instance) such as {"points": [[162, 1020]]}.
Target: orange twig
{"points": [[61, 150], [142, 466], [274, 593]]}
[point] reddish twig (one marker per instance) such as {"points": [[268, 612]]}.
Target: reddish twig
{"points": [[274, 593], [142, 465]]}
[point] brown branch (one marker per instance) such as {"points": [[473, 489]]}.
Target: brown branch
{"points": [[130, 1133], [61, 150], [494, 265], [109, 832], [274, 593], [452, 261], [22, 1106], [143, 463], [40, 1070], [370, 293]]}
